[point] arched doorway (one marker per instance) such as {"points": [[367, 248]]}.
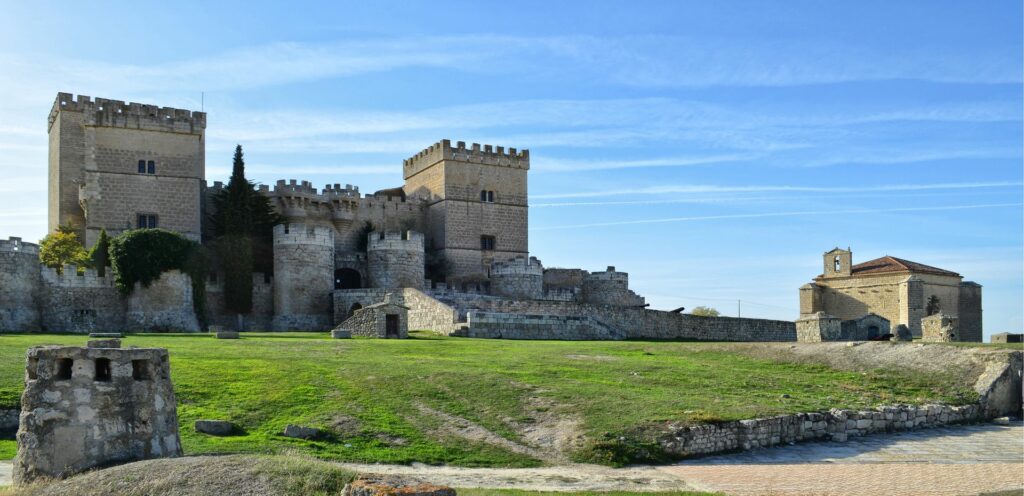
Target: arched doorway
{"points": [[347, 279], [352, 310]]}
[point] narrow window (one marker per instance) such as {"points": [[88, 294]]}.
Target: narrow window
{"points": [[486, 242], [140, 370], [142, 166], [146, 221], [64, 368], [483, 195], [838, 264], [151, 167], [490, 197], [102, 373]]}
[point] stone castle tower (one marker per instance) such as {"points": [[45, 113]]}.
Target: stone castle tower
{"points": [[476, 203], [119, 166]]}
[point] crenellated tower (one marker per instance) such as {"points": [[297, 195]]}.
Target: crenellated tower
{"points": [[117, 166], [477, 210]]}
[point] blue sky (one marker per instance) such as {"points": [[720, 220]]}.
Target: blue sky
{"points": [[714, 150]]}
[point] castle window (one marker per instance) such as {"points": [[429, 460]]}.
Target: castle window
{"points": [[142, 166], [64, 368], [102, 371], [838, 264], [151, 167], [487, 196], [144, 221], [486, 242]]}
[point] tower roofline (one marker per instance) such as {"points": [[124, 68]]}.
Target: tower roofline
{"points": [[474, 154]]}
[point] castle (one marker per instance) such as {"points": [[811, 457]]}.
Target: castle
{"points": [[450, 245]]}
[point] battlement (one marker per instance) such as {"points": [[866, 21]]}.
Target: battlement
{"points": [[303, 234], [392, 240], [69, 277], [117, 113], [475, 154], [608, 275], [14, 244]]}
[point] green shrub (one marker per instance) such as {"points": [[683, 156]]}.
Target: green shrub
{"points": [[62, 247], [142, 255]]}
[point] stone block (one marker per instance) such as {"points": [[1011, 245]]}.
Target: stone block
{"points": [[301, 432], [214, 427], [104, 343], [227, 335], [341, 333]]}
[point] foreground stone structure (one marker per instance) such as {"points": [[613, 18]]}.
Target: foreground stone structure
{"points": [[90, 407], [1007, 337], [386, 319], [897, 290]]}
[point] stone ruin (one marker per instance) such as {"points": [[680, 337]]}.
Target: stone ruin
{"points": [[91, 407], [940, 328]]}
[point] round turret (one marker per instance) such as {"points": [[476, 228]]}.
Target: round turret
{"points": [[303, 277], [20, 284], [609, 288], [520, 278], [395, 259]]}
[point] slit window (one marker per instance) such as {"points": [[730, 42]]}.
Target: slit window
{"points": [[142, 166], [140, 370], [102, 372], [151, 167], [486, 242], [64, 368]]}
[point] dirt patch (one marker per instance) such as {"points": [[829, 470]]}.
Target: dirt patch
{"points": [[345, 426], [556, 434], [459, 427]]}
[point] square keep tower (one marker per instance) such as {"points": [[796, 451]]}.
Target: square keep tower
{"points": [[477, 208]]}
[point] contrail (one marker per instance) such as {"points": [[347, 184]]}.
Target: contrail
{"points": [[778, 214]]}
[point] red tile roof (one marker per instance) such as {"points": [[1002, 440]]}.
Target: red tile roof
{"points": [[889, 264]]}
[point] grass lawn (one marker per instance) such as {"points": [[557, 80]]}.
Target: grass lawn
{"points": [[381, 397]]}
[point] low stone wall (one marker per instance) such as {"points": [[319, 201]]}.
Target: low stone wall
{"points": [[834, 425], [524, 326], [165, 305], [633, 323], [9, 421]]}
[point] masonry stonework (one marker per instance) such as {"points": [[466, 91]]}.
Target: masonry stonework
{"points": [[87, 407], [898, 290], [395, 259], [303, 277], [20, 285]]}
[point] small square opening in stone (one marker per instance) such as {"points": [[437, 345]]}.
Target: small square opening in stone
{"points": [[102, 370], [64, 368], [140, 370], [32, 368]]}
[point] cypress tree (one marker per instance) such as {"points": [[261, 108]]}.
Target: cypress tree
{"points": [[243, 224], [100, 253]]}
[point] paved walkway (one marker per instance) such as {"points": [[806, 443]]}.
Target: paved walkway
{"points": [[968, 460]]}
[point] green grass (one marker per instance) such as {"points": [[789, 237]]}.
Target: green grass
{"points": [[373, 387]]}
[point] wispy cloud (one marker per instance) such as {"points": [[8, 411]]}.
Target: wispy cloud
{"points": [[777, 214], [709, 188]]}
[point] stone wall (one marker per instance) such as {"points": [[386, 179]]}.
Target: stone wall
{"points": [[939, 328], [633, 322], [521, 277], [524, 326], [262, 305], [969, 312], [163, 306], [89, 407], [564, 278], [427, 313], [834, 425], [81, 302], [303, 277], [20, 285], [395, 259], [9, 421], [818, 327]]}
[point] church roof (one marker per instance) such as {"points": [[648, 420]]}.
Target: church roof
{"points": [[888, 264]]}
